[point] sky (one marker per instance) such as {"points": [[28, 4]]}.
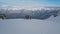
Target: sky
{"points": [[30, 3]]}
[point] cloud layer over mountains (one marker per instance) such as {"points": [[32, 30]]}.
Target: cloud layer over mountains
{"points": [[35, 13]]}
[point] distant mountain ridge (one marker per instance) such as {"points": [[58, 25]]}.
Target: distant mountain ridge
{"points": [[44, 13]]}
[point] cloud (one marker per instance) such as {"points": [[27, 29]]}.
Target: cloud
{"points": [[28, 3], [4, 5]]}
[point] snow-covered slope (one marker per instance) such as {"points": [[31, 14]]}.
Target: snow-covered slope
{"points": [[54, 19], [34, 26]]}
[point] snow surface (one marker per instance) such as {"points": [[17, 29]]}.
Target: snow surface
{"points": [[33, 26]]}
